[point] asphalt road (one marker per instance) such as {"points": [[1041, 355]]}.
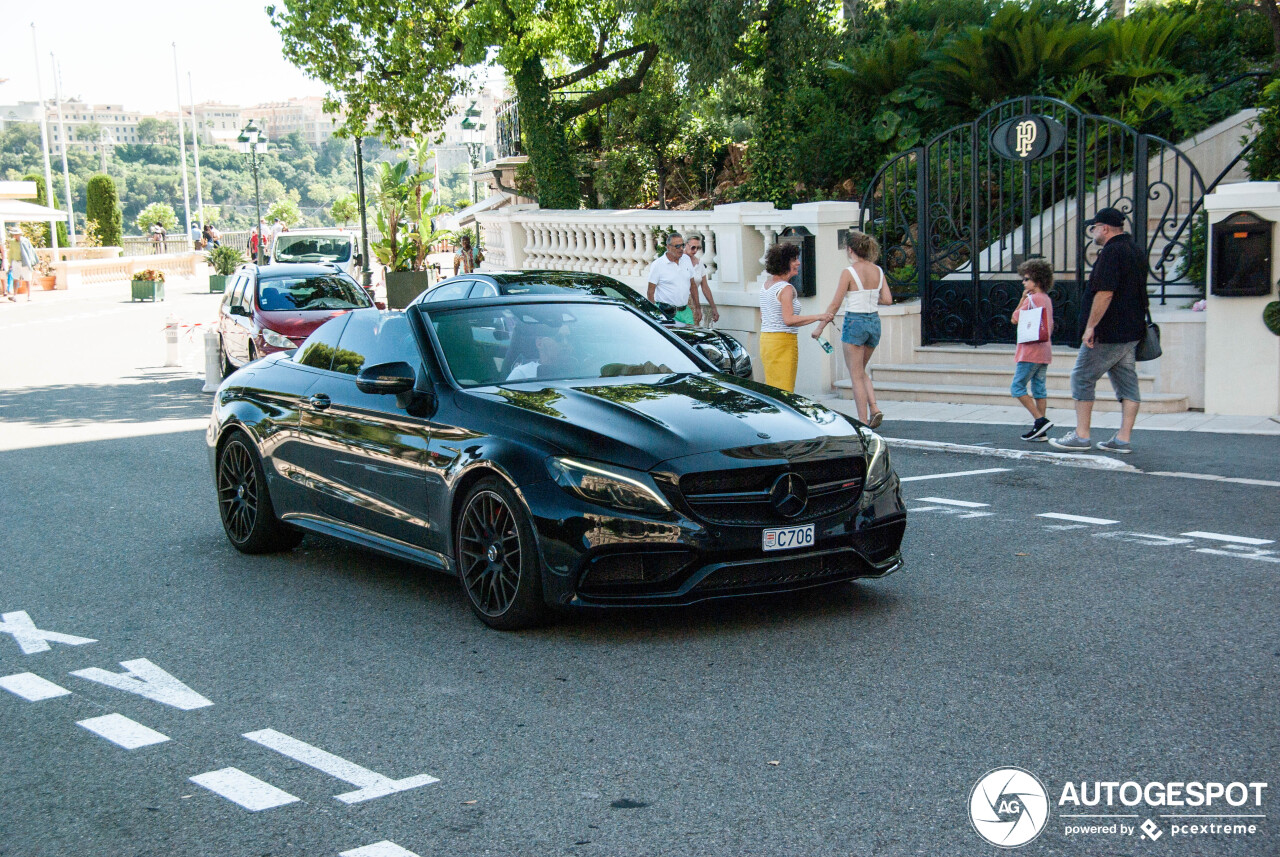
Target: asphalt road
{"points": [[852, 720]]}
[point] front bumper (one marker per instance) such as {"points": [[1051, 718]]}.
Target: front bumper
{"points": [[596, 558]]}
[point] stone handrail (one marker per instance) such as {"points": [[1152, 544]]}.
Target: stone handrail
{"points": [[64, 254], [80, 272]]}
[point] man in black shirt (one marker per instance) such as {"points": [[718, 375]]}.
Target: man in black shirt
{"points": [[1112, 321]]}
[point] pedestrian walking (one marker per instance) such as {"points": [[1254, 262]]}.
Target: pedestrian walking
{"points": [[254, 240], [466, 258], [780, 318], [1112, 321], [6, 267], [158, 236], [693, 244], [197, 236], [1033, 356], [670, 283], [860, 304]]}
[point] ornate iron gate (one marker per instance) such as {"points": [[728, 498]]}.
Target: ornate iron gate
{"points": [[957, 215]]}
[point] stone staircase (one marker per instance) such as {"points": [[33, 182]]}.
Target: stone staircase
{"points": [[962, 374]]}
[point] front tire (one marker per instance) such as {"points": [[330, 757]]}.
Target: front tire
{"points": [[497, 559], [244, 503]]}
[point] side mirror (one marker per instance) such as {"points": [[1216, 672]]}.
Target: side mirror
{"points": [[236, 309], [386, 379]]}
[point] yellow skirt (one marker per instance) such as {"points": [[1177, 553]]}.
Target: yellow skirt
{"points": [[780, 354]]}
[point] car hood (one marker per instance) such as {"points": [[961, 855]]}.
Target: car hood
{"points": [[296, 324], [640, 422]]}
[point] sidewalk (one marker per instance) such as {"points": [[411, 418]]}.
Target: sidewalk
{"points": [[1016, 415], [1189, 444]]}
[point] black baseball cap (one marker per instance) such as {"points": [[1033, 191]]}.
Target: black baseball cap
{"points": [[1107, 217]]}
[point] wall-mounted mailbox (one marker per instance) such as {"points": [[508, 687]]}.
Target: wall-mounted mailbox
{"points": [[806, 282], [1242, 256]]}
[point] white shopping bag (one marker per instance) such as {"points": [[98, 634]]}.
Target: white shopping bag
{"points": [[1031, 325]]}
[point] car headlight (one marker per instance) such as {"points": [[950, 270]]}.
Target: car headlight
{"points": [[878, 469], [608, 485], [276, 340]]}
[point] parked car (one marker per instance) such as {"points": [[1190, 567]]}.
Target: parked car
{"points": [[313, 246], [720, 348], [608, 466], [275, 307]]}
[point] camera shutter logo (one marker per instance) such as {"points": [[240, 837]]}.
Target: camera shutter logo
{"points": [[1008, 807]]}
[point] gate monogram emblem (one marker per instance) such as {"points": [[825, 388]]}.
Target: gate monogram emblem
{"points": [[1026, 137]]}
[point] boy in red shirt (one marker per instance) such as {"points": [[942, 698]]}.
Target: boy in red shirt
{"points": [[1034, 357]]}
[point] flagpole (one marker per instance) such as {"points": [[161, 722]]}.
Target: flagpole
{"points": [[195, 147], [182, 142], [62, 132], [44, 144]]}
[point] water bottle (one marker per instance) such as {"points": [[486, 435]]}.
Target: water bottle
{"points": [[826, 346]]}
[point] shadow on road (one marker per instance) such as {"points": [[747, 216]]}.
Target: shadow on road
{"points": [[139, 398]]}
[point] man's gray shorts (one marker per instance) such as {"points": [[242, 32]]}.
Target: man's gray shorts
{"points": [[1113, 359]]}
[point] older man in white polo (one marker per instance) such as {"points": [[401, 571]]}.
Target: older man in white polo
{"points": [[671, 283]]}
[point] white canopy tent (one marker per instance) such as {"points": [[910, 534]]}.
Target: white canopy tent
{"points": [[17, 211]]}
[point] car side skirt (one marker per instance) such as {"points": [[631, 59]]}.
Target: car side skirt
{"points": [[373, 541]]}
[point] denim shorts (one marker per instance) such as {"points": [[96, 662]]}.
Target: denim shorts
{"points": [[1113, 359], [861, 328], [1033, 374]]}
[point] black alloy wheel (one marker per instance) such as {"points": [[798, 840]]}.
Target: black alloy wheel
{"points": [[244, 503], [497, 562], [253, 353]]}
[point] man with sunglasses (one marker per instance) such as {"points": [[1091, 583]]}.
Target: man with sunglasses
{"points": [[671, 283]]}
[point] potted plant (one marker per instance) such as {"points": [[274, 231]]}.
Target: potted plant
{"points": [[148, 285], [224, 260], [404, 221], [43, 276]]}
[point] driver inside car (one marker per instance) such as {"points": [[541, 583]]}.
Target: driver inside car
{"points": [[556, 357]]}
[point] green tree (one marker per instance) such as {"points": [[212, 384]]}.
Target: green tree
{"points": [[157, 212], [654, 119], [366, 49], [345, 209], [286, 210], [103, 209], [152, 130], [42, 198]]}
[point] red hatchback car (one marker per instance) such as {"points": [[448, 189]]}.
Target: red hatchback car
{"points": [[275, 307]]}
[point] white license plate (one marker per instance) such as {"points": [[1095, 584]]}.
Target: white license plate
{"points": [[786, 538]]}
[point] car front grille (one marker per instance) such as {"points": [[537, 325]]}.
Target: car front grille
{"points": [[812, 568], [741, 497], [880, 542]]}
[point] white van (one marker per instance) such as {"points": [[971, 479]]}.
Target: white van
{"points": [[310, 246]]}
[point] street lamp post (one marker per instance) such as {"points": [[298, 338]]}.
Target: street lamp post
{"points": [[366, 274], [250, 140]]}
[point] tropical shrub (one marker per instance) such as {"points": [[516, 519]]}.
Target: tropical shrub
{"points": [[1264, 158], [225, 259]]}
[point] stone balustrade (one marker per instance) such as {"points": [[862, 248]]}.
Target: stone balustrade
{"points": [[65, 254], [80, 272]]}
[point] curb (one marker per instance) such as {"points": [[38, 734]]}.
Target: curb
{"points": [[1066, 459]]}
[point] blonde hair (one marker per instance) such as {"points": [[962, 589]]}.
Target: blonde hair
{"points": [[863, 245]]}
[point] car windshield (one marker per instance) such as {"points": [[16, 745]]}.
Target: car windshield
{"points": [[548, 342], [318, 292], [617, 292], [313, 248]]}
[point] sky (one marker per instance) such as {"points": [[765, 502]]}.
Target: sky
{"points": [[118, 52]]}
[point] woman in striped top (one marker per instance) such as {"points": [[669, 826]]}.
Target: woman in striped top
{"points": [[780, 318]]}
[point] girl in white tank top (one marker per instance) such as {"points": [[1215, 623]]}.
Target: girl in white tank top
{"points": [[861, 309]]}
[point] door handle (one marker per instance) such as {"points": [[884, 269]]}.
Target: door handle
{"points": [[319, 401]]}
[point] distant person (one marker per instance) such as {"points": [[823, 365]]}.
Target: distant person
{"points": [[465, 259], [861, 333], [197, 236], [210, 236], [158, 236], [254, 241], [693, 248], [1033, 358], [276, 228], [780, 317], [1112, 321], [671, 284], [555, 357]]}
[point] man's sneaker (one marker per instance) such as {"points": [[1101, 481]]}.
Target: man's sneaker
{"points": [[1039, 429], [1071, 442], [1115, 445]]}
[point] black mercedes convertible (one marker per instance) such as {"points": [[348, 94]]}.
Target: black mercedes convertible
{"points": [[551, 452]]}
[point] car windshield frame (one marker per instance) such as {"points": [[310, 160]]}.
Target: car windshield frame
{"points": [[284, 302], [625, 294], [281, 255], [673, 358]]}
